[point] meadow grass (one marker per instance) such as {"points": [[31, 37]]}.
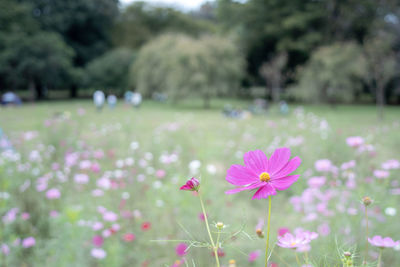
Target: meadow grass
{"points": [[185, 133]]}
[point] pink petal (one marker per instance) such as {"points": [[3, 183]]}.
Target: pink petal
{"points": [[240, 175], [264, 192], [185, 187], [388, 242], [284, 182], [291, 166], [256, 161], [278, 159], [250, 187]]}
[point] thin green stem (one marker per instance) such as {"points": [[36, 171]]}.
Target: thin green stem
{"points": [[268, 228], [217, 243], [379, 258], [366, 235], [297, 259], [215, 249]]}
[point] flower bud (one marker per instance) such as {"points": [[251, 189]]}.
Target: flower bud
{"points": [[260, 233], [219, 225], [347, 254], [232, 263], [366, 201]]}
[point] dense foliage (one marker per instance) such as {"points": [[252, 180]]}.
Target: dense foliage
{"points": [[180, 66]]}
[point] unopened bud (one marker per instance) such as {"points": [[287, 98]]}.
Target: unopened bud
{"points": [[232, 263], [347, 254], [220, 225], [366, 201], [260, 233]]}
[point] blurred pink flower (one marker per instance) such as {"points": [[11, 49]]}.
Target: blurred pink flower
{"points": [[25, 216], [98, 240], [391, 164], [28, 242], [5, 249], [324, 229], [110, 216], [293, 241], [380, 174], [160, 173], [283, 230], [323, 165], [98, 253], [253, 256], [53, 213], [53, 193], [316, 182], [129, 237], [386, 242], [81, 178], [355, 141], [180, 249], [266, 175], [191, 185]]}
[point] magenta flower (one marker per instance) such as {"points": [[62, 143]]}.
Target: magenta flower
{"points": [[381, 242], [253, 256], [191, 185], [266, 175], [181, 249], [355, 141], [97, 240]]}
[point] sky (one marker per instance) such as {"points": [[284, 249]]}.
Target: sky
{"points": [[186, 4]]}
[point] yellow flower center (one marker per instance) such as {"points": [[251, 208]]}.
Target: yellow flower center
{"points": [[264, 177], [293, 244]]}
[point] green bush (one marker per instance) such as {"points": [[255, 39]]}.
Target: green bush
{"points": [[182, 66], [334, 74]]}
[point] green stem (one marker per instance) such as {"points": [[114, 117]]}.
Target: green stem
{"points": [[215, 249], [297, 259], [379, 258], [268, 227], [366, 235]]}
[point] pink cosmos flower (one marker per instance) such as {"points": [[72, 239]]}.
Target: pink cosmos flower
{"points": [[391, 164], [98, 253], [381, 242], [323, 165], [28, 242], [293, 241], [253, 256], [129, 237], [380, 174], [97, 240], [266, 175], [81, 178], [355, 141], [191, 185], [5, 249], [53, 193], [283, 230], [181, 249]]}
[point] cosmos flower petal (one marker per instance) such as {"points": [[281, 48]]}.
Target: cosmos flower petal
{"points": [[290, 167], [238, 189], [279, 158], [264, 192], [256, 160], [240, 175], [285, 182]]}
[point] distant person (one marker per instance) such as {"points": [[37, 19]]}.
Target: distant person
{"points": [[128, 97], [136, 100], [10, 98], [283, 108], [112, 101], [98, 99]]}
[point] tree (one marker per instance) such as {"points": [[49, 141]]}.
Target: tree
{"points": [[334, 74], [381, 64], [110, 70], [140, 22], [207, 67], [273, 74], [37, 61]]}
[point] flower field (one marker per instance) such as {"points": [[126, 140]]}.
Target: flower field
{"points": [[80, 187]]}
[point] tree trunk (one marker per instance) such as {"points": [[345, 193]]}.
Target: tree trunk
{"points": [[39, 91], [31, 88], [380, 100], [73, 91]]}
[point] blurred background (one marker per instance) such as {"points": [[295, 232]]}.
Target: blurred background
{"points": [[183, 89], [326, 51]]}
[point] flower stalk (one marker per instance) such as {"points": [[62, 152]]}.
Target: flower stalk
{"points": [[268, 228]]}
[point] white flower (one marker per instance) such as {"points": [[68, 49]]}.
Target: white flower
{"points": [[390, 211]]}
